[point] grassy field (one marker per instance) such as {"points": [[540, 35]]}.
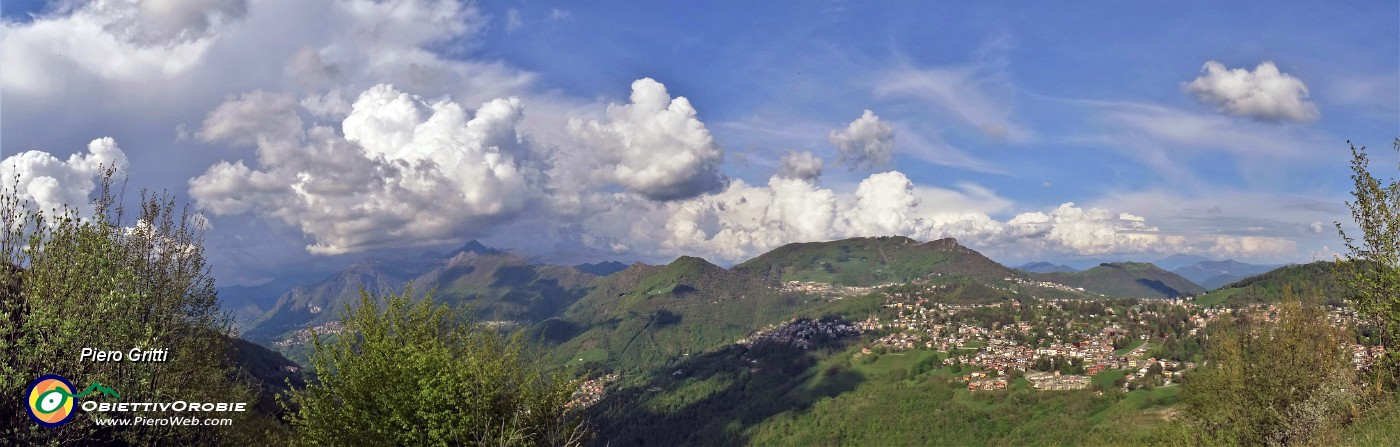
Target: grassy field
{"points": [[1380, 428], [1217, 297], [894, 361], [934, 412], [593, 355], [1130, 348], [1105, 379], [932, 409]]}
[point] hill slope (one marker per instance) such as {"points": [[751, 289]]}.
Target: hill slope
{"points": [[321, 302], [1045, 267], [868, 261], [503, 286], [648, 316], [1127, 279], [1315, 280], [247, 303], [269, 370]]}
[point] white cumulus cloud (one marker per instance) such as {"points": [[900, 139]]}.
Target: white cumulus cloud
{"points": [[800, 165], [654, 146], [253, 117], [745, 220], [865, 143], [48, 183], [406, 171], [1265, 93], [1249, 246]]}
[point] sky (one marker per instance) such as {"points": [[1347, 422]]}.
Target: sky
{"points": [[312, 133]]}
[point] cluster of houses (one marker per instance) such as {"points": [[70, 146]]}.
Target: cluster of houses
{"points": [[590, 392], [303, 336], [985, 383], [915, 325], [915, 328], [1170, 374], [919, 295], [1043, 284], [801, 332], [1056, 382], [997, 349], [833, 291], [1365, 356]]}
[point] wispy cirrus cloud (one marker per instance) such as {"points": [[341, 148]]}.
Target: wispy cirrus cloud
{"points": [[1168, 139], [976, 94]]}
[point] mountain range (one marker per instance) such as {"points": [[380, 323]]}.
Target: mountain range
{"points": [[499, 286], [679, 337], [645, 314], [1214, 274], [1205, 272], [1126, 279]]}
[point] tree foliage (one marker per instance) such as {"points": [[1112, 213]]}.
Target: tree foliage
{"points": [[1373, 271], [1286, 381], [412, 373], [72, 282]]}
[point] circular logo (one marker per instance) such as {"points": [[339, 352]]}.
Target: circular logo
{"points": [[50, 400]]}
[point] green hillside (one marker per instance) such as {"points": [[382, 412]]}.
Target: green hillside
{"points": [[272, 372], [831, 396], [868, 261], [648, 316], [504, 287], [1126, 279], [1315, 280]]}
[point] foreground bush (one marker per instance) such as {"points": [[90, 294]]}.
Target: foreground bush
{"points": [[413, 373]]}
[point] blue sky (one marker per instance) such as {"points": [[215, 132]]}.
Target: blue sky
{"points": [[985, 122]]}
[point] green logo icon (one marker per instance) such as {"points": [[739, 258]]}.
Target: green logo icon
{"points": [[51, 399]]}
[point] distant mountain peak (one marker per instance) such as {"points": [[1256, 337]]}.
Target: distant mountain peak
{"points": [[1124, 264], [946, 243], [1177, 261], [604, 268], [868, 261], [693, 262], [474, 246], [1214, 274], [1046, 267]]}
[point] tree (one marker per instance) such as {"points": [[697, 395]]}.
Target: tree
{"points": [[72, 282], [414, 373], [1288, 381], [1372, 268]]}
